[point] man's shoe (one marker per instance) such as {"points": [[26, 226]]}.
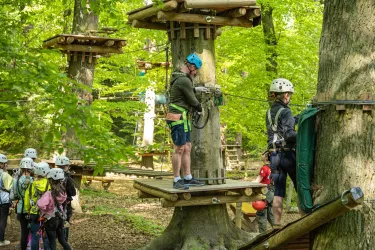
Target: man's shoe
{"points": [[194, 182], [180, 185], [4, 243]]}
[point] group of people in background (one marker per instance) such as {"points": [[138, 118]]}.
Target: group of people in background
{"points": [[41, 197]]}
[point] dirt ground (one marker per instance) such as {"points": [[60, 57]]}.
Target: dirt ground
{"points": [[116, 220]]}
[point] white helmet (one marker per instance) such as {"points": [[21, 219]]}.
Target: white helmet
{"points": [[281, 85], [3, 158], [31, 153], [62, 161], [56, 174], [27, 163], [42, 168]]}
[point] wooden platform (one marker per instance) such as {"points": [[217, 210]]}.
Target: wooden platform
{"points": [[232, 191], [166, 186]]}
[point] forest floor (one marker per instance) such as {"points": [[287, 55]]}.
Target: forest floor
{"points": [[115, 219]]}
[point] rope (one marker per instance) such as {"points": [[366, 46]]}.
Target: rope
{"points": [[346, 102]]}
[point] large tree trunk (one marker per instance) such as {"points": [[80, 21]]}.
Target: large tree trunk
{"points": [[345, 153], [202, 227], [82, 70]]}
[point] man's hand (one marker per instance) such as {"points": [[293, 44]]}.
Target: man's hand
{"points": [[202, 89]]}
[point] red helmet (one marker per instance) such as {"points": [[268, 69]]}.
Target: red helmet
{"points": [[259, 205]]}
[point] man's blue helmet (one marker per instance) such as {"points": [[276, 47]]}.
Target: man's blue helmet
{"points": [[194, 59]]}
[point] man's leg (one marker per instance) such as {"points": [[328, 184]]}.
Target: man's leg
{"points": [[185, 159], [177, 159], [277, 208]]}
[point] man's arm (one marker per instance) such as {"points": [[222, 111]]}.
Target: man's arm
{"points": [[287, 123], [186, 87]]}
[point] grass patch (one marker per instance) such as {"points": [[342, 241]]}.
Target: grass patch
{"points": [[95, 193], [138, 223]]}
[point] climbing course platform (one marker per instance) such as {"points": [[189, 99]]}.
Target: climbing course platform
{"points": [[182, 15], [89, 46], [231, 191]]}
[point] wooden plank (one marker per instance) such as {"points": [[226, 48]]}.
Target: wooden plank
{"points": [[195, 18], [165, 185], [171, 26], [83, 57], [196, 30], [148, 25], [207, 4], [207, 35], [88, 48], [157, 193], [182, 31], [90, 57], [143, 14]]}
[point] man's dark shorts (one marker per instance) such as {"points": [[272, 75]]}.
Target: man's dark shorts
{"points": [[285, 162], [179, 136]]}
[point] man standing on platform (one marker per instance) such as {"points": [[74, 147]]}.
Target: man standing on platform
{"points": [[181, 99]]}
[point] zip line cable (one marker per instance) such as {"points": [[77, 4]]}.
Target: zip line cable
{"points": [[260, 100]]}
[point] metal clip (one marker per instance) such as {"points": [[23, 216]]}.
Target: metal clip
{"points": [[215, 200], [266, 245], [209, 19]]}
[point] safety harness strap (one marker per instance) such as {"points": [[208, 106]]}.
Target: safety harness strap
{"points": [[185, 121], [276, 136]]}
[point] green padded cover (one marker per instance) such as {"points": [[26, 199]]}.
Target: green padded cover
{"points": [[305, 157]]}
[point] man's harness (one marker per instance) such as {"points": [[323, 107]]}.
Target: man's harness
{"points": [[185, 120]]}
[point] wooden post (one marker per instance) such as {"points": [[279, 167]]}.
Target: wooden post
{"points": [[196, 30], [238, 216], [109, 43], [195, 18], [322, 215], [144, 195], [237, 12], [252, 13], [183, 31], [53, 41], [207, 4], [260, 190], [69, 40]]}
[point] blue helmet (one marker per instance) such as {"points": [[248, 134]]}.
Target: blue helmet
{"points": [[194, 59]]}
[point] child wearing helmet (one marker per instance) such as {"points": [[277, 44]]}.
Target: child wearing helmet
{"points": [[265, 213], [39, 186], [63, 162], [31, 153], [6, 182], [181, 99], [282, 139], [51, 206], [20, 185]]}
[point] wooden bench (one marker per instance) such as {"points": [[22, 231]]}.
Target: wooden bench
{"points": [[106, 183]]}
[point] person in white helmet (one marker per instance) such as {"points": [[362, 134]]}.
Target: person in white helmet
{"points": [[282, 139], [51, 206], [20, 185], [31, 153], [6, 182], [39, 186], [63, 162]]}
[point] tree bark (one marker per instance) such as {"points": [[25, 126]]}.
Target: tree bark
{"points": [[345, 153], [269, 39], [201, 227], [80, 69]]}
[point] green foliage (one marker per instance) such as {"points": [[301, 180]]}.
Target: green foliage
{"points": [[39, 105]]}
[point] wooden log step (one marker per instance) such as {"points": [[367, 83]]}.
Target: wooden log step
{"points": [[211, 200], [157, 193]]}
